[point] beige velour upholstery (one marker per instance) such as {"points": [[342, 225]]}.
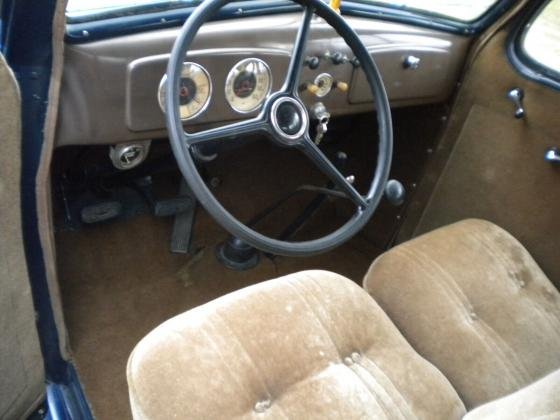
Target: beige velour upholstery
{"points": [[471, 300], [540, 400], [308, 345]]}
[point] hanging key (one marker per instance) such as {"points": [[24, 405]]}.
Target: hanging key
{"points": [[320, 113]]}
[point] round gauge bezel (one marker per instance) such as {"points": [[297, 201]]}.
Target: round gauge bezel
{"points": [[233, 73], [162, 87], [318, 78]]}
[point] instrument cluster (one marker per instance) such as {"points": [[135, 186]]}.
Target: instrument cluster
{"points": [[247, 85]]}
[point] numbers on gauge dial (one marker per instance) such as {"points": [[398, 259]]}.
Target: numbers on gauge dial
{"points": [[248, 84], [195, 90]]}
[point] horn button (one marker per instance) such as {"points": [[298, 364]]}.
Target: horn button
{"points": [[289, 119]]}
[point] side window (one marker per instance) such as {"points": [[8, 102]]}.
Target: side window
{"points": [[541, 39]]}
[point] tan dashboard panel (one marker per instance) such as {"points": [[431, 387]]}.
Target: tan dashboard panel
{"points": [[109, 87], [143, 113]]}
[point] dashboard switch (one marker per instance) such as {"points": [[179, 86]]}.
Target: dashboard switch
{"points": [[312, 88]]}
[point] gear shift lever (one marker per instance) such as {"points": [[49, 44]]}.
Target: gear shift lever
{"points": [[395, 192]]}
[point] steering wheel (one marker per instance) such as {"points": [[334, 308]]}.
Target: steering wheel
{"points": [[285, 120]]}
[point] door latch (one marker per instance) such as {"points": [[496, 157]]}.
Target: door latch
{"points": [[516, 95]]}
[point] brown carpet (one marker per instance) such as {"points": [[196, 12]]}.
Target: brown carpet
{"points": [[119, 281]]}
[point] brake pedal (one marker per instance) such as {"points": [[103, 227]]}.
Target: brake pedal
{"points": [[173, 206]]}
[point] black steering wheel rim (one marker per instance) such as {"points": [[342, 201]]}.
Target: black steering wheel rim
{"points": [[181, 145]]}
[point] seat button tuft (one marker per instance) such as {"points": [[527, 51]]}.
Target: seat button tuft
{"points": [[473, 316], [355, 357], [262, 406], [348, 361]]}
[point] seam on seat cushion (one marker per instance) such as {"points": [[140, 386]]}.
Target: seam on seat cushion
{"points": [[262, 378], [224, 362], [387, 405], [409, 414], [319, 320]]}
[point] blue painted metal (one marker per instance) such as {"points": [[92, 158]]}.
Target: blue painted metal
{"points": [[370, 9], [107, 25], [65, 400], [27, 46]]}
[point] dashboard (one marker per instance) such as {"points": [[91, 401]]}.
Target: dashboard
{"points": [[113, 90]]}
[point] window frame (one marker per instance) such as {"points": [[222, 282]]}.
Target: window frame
{"points": [[105, 25], [527, 66]]}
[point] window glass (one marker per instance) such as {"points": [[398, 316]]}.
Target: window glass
{"points": [[77, 8], [463, 10], [542, 39]]}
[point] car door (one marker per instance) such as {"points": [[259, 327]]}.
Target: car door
{"points": [[22, 377], [493, 162]]}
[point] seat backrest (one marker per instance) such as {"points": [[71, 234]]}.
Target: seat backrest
{"points": [[471, 300], [309, 345]]}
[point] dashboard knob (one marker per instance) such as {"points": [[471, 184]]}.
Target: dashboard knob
{"points": [[312, 62], [312, 88], [342, 86], [339, 58]]}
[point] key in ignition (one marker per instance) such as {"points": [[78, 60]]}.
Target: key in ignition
{"points": [[319, 112]]}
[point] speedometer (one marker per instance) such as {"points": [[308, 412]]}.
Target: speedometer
{"points": [[248, 84], [195, 89]]}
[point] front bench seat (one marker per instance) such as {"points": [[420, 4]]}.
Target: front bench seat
{"points": [[309, 345], [314, 345], [471, 300]]}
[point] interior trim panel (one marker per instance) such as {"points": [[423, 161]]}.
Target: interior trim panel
{"points": [[110, 87]]}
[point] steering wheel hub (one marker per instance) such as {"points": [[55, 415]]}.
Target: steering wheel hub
{"points": [[289, 119]]}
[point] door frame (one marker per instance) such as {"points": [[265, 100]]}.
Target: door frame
{"points": [[27, 44]]}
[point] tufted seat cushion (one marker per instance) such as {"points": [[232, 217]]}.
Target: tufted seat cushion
{"points": [[471, 300], [308, 345]]}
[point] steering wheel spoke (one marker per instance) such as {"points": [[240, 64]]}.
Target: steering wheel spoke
{"points": [[296, 62], [312, 151], [241, 128]]}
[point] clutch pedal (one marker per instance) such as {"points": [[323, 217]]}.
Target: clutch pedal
{"points": [[101, 212]]}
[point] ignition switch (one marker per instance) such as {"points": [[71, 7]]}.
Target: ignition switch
{"points": [[320, 113]]}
